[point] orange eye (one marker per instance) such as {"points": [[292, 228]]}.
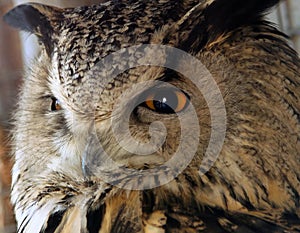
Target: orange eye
{"points": [[166, 101], [55, 105]]}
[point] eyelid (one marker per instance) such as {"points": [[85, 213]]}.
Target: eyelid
{"points": [[46, 97]]}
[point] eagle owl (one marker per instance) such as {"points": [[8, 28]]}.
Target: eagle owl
{"points": [[157, 116]]}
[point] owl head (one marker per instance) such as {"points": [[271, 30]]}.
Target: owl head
{"points": [[194, 100]]}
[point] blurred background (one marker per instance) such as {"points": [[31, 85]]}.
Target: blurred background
{"points": [[17, 51]]}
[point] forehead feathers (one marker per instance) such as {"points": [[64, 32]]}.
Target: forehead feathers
{"points": [[77, 38]]}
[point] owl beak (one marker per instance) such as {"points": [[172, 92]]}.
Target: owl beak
{"points": [[93, 158], [98, 165]]}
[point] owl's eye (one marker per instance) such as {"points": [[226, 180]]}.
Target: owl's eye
{"points": [[166, 101], [55, 105]]}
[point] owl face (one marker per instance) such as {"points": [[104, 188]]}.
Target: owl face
{"points": [[135, 100], [193, 101]]}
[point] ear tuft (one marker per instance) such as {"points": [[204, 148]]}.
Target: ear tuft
{"points": [[37, 19], [226, 15]]}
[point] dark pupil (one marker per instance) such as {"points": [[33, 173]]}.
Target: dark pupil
{"points": [[54, 104], [165, 102]]}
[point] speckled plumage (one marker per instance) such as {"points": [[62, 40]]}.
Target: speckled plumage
{"points": [[253, 186]]}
